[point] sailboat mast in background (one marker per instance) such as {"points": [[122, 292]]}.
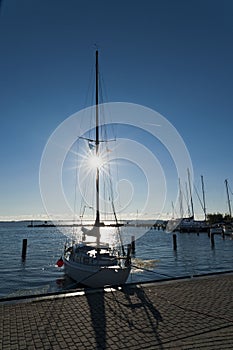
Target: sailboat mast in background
{"points": [[228, 198]]}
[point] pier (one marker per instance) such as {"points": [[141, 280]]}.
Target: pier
{"points": [[178, 314]]}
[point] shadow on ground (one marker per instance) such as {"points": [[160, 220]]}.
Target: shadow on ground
{"points": [[110, 311]]}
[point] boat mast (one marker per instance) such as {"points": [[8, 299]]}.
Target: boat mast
{"points": [[187, 199], [181, 201], [228, 198], [203, 194], [97, 220], [173, 211], [190, 192]]}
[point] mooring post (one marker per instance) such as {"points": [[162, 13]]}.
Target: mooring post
{"points": [[223, 233], [128, 256], [212, 239], [174, 241], [133, 244], [24, 249]]}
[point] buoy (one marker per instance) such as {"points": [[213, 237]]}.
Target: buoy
{"points": [[60, 262]]}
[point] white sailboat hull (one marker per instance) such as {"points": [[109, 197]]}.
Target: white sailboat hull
{"points": [[98, 276]]}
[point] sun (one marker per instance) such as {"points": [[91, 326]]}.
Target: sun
{"points": [[90, 162], [95, 161]]}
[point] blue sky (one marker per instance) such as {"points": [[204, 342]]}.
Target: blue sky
{"points": [[172, 56]]}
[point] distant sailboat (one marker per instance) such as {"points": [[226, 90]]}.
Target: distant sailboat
{"points": [[228, 227], [188, 224]]}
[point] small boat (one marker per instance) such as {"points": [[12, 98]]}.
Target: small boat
{"points": [[228, 229], [216, 229], [95, 263]]}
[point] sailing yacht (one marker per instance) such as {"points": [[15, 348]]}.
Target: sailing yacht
{"points": [[94, 263]]}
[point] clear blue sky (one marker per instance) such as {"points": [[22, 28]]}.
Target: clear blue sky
{"points": [[172, 56]]}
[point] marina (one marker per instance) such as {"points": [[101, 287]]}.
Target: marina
{"points": [[155, 258], [116, 185]]}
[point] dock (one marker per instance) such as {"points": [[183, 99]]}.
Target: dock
{"points": [[194, 313]]}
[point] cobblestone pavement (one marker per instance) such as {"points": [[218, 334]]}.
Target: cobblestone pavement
{"points": [[185, 314]]}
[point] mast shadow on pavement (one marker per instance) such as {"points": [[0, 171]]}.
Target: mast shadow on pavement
{"points": [[127, 314], [123, 314], [98, 318]]}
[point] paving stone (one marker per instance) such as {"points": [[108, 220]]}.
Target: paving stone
{"points": [[187, 314]]}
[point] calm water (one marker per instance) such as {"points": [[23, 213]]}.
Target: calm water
{"points": [[39, 274]]}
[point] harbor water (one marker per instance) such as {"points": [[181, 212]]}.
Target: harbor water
{"points": [[154, 259]]}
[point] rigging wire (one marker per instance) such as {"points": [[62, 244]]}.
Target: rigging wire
{"points": [[202, 205], [230, 189]]}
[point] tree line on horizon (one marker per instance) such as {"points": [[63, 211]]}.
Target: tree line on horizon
{"points": [[218, 218]]}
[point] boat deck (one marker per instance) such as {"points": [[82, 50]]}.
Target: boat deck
{"points": [[181, 314]]}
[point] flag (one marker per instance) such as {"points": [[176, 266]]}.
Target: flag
{"points": [[60, 262], [91, 145]]}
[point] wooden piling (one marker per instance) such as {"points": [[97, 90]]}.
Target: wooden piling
{"points": [[128, 256], [212, 239], [133, 244], [24, 249], [174, 241]]}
